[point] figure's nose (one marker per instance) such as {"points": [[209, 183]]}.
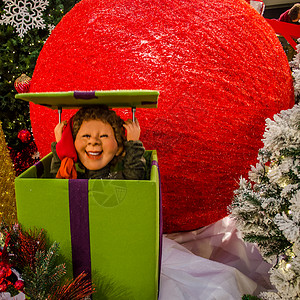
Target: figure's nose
{"points": [[95, 141]]}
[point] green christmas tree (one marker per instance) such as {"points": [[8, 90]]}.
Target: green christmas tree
{"points": [[267, 206], [21, 42]]}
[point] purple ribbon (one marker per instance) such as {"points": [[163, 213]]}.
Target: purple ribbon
{"points": [[39, 169], [85, 95], [80, 228], [79, 225]]}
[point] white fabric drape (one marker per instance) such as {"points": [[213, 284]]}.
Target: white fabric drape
{"points": [[211, 263]]}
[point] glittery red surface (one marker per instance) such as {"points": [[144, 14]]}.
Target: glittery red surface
{"points": [[220, 70]]}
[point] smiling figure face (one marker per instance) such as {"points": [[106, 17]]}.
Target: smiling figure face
{"points": [[96, 144]]}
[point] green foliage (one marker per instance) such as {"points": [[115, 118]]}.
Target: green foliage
{"points": [[45, 275], [17, 56], [39, 266]]}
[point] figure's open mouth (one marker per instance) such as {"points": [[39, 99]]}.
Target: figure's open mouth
{"points": [[94, 154]]}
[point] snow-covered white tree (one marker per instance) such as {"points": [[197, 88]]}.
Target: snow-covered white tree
{"points": [[267, 205]]}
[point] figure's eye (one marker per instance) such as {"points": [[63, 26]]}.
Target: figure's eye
{"points": [[86, 136], [103, 135]]}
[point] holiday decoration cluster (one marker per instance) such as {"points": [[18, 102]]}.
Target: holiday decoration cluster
{"points": [[39, 274]]}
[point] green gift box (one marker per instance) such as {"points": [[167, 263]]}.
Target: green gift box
{"points": [[109, 228]]}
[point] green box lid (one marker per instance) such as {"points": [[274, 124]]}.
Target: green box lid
{"points": [[75, 99]]}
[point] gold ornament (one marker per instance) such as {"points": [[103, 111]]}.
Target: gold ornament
{"points": [[8, 210]]}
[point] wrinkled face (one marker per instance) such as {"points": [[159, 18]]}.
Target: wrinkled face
{"points": [[96, 144]]}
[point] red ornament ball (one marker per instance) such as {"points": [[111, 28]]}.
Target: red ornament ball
{"points": [[19, 285], [24, 135], [22, 84], [25, 158], [220, 70]]}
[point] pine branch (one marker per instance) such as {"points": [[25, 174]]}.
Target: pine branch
{"points": [[29, 244], [45, 275], [79, 288]]}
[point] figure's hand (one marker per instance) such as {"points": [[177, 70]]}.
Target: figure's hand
{"points": [[133, 130], [58, 130]]}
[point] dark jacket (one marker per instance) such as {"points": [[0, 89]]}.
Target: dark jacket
{"points": [[130, 166]]}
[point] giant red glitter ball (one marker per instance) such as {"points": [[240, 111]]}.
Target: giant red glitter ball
{"points": [[220, 70]]}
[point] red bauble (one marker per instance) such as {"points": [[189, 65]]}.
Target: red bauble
{"points": [[25, 158], [22, 84], [220, 70], [19, 285], [24, 135]]}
